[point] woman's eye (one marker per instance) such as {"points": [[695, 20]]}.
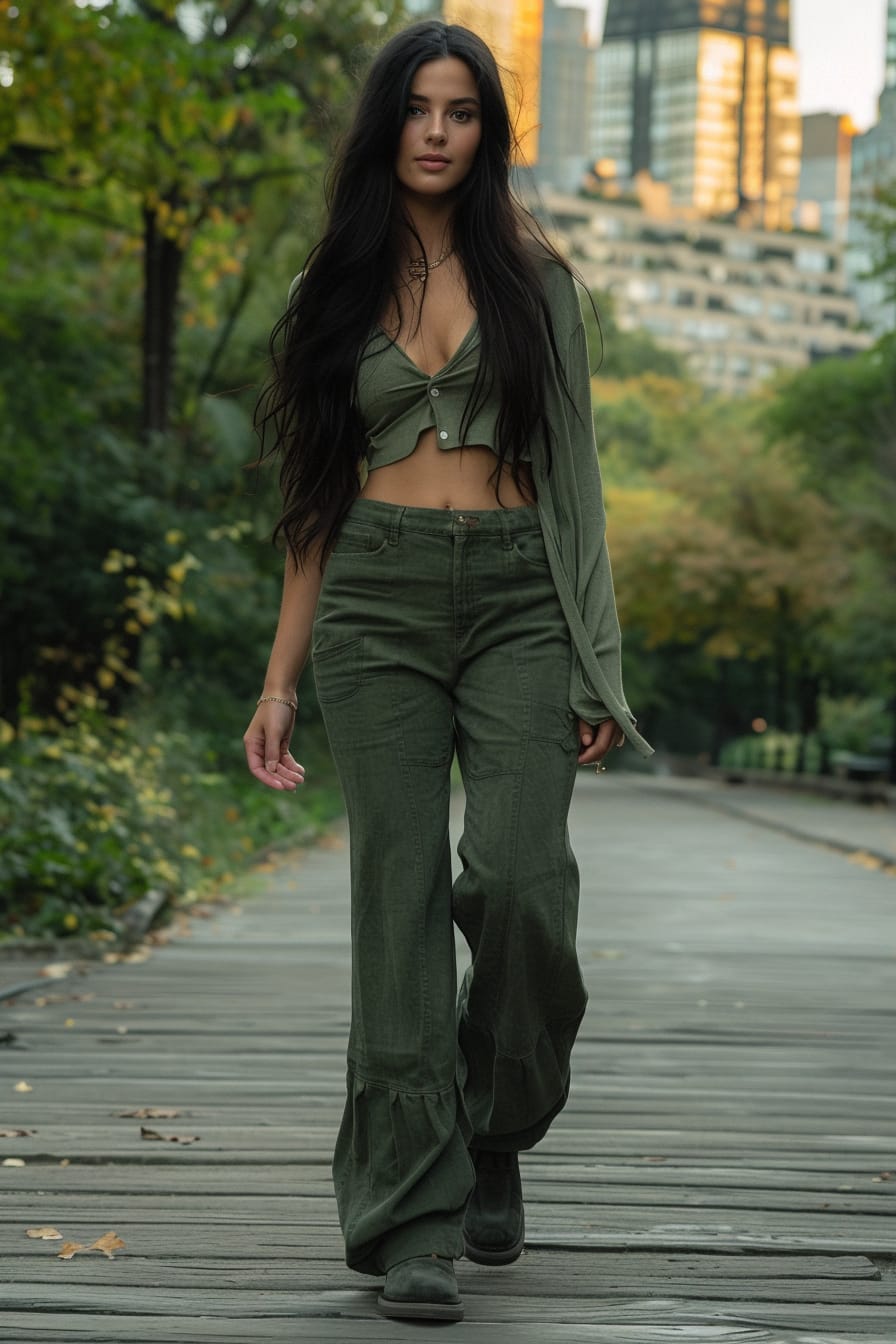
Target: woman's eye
{"points": [[412, 110], [463, 115]]}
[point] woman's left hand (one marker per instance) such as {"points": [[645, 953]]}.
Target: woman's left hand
{"points": [[595, 742]]}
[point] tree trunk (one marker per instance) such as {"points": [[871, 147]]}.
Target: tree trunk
{"points": [[782, 646], [808, 685], [162, 262]]}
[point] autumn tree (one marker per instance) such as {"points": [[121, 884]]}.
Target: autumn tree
{"points": [[840, 416], [161, 121], [724, 548]]}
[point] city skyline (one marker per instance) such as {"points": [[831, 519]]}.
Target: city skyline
{"points": [[841, 50]]}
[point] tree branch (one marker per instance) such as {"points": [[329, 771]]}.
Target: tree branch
{"points": [[77, 211], [265, 175], [242, 12], [247, 283]]}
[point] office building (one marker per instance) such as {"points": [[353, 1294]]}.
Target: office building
{"points": [[702, 94], [825, 174], [738, 303], [562, 135], [874, 166], [513, 30]]}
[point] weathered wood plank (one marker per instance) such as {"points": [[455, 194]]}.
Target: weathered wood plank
{"points": [[227, 1246], [84, 1328], [486, 1306], [186, 1179], [593, 1282], [732, 1078], [686, 1229]]}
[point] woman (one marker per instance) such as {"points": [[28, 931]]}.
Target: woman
{"points": [[447, 572]]}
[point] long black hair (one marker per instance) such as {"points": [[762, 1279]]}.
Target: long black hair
{"points": [[306, 413]]}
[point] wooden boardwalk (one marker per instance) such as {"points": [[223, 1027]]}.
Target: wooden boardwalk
{"points": [[721, 1175]]}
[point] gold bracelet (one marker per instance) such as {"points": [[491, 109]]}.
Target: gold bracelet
{"points": [[277, 700]]}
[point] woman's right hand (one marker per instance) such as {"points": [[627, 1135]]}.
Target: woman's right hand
{"points": [[266, 741]]}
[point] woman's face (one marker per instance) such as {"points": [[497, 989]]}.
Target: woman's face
{"points": [[442, 129]]}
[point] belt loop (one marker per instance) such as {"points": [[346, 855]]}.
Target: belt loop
{"points": [[506, 532], [395, 525]]}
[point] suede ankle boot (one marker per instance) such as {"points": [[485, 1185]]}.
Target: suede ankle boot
{"points": [[494, 1223], [423, 1288]]}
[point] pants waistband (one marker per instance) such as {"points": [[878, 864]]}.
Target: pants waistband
{"points": [[398, 518]]}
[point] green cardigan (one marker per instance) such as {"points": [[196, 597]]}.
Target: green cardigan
{"points": [[396, 400], [573, 521]]}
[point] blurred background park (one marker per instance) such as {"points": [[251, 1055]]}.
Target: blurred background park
{"points": [[723, 176]]}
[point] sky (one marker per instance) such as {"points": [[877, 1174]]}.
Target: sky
{"points": [[841, 49]]}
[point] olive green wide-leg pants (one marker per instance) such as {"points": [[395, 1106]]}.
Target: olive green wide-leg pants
{"points": [[439, 631]]}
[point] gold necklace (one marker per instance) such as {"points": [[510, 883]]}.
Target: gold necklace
{"points": [[419, 267]]}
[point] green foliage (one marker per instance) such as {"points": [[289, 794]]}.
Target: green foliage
{"points": [[96, 812], [775, 751], [175, 108], [626, 354], [880, 219], [89, 814], [160, 183], [856, 723], [840, 414]]}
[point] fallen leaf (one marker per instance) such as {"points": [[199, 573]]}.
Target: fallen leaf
{"points": [[150, 1113], [55, 970], [69, 1022], [121, 1031], [69, 1249], [65, 1161], [20, 1162], [864, 860], [107, 1243], [17, 1133], [23, 1087], [167, 1138], [331, 841], [43, 1233], [124, 1003]]}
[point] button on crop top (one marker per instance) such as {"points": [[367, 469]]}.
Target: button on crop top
{"points": [[397, 400]]}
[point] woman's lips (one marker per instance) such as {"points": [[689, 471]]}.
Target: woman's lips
{"points": [[433, 165]]}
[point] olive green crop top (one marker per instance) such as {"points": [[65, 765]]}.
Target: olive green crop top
{"points": [[396, 400]]}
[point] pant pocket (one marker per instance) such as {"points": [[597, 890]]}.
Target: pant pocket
{"points": [[338, 669]]}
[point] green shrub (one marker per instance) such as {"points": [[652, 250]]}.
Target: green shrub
{"points": [[96, 812]]}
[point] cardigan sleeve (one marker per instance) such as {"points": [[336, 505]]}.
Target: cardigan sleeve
{"points": [[595, 598]]}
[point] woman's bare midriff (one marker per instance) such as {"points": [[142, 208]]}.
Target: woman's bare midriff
{"points": [[457, 478]]}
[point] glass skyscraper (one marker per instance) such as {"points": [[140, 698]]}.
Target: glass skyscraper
{"points": [[512, 28], [701, 94]]}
